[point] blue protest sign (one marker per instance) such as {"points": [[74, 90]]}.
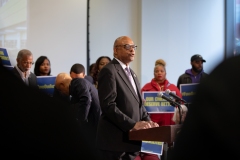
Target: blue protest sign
{"points": [[155, 104], [152, 147], [4, 56], [46, 84], [8, 67], [188, 91]]}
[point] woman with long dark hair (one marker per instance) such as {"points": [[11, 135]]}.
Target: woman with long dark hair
{"points": [[42, 66], [100, 63]]}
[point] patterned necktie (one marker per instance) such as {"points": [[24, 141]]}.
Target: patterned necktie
{"points": [[131, 79], [128, 74]]}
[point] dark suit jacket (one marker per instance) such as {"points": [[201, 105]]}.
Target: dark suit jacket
{"points": [[85, 99], [32, 79], [57, 94], [121, 109], [89, 78], [211, 129], [87, 107]]}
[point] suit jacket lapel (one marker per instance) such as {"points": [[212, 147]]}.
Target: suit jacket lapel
{"points": [[15, 71], [123, 75], [136, 82], [30, 82]]}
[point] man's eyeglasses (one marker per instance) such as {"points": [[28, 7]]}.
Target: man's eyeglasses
{"points": [[26, 63], [127, 46]]}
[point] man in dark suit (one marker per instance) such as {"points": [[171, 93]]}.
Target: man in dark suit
{"points": [[89, 78], [122, 105], [22, 69], [84, 96], [211, 129], [84, 99], [66, 98]]}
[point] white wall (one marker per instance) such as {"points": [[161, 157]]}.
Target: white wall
{"points": [[173, 30], [54, 28], [110, 19], [57, 29], [13, 17]]}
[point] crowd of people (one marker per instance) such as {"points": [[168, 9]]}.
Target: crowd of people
{"points": [[105, 105]]}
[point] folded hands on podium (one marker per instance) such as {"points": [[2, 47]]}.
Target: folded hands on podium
{"points": [[144, 125]]}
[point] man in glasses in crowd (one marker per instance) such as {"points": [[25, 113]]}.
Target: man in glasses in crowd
{"points": [[121, 104], [22, 69]]}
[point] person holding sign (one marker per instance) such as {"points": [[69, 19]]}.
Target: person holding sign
{"points": [[160, 83], [195, 74], [45, 81], [211, 129]]}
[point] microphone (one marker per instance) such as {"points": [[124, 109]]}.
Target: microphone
{"points": [[174, 95], [160, 94]]}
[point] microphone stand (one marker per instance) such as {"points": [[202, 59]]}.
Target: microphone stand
{"points": [[180, 114], [179, 110], [188, 105]]}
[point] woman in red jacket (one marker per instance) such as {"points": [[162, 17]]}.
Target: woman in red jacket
{"points": [[159, 83]]}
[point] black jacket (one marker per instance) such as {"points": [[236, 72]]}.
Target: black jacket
{"points": [[121, 107], [85, 100], [32, 79], [186, 79]]}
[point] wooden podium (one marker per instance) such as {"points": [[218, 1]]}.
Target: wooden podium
{"points": [[163, 134]]}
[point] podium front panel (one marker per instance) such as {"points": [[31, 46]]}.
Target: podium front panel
{"points": [[162, 133]]}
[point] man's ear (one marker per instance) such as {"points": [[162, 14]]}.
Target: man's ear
{"points": [[61, 85], [72, 75], [17, 59], [115, 51]]}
